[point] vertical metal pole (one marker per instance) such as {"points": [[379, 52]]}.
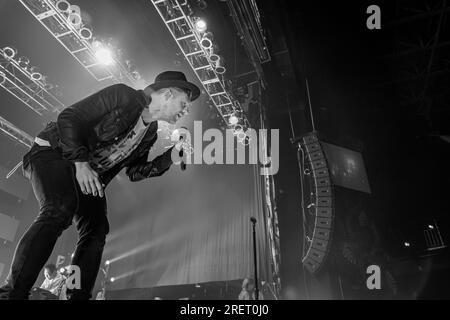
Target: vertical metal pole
{"points": [[255, 261], [310, 107]]}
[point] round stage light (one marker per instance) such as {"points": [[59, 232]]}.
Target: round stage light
{"points": [[23, 62], [214, 57], [233, 120], [241, 135], [9, 52], [206, 41], [96, 44], [35, 74], [237, 129], [104, 56], [85, 33], [62, 6], [112, 279], [200, 25], [220, 66]]}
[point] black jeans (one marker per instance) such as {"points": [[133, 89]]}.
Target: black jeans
{"points": [[61, 202]]}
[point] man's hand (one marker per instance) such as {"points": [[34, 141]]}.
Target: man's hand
{"points": [[88, 179]]}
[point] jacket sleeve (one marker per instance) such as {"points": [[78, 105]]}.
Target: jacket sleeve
{"points": [[75, 122], [141, 168]]}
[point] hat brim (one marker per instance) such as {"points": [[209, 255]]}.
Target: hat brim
{"points": [[195, 91]]}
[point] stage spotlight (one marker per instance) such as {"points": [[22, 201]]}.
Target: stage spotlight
{"points": [[207, 40], [96, 44], [72, 255], [238, 129], [241, 136], [245, 140], [107, 262], [430, 226], [9, 52], [214, 58], [220, 66], [23, 62], [233, 120], [406, 244], [63, 6], [85, 33], [213, 53], [200, 25], [112, 279], [104, 56], [35, 74], [62, 270]]}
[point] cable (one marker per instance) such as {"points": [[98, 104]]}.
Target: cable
{"points": [[300, 165], [310, 107]]}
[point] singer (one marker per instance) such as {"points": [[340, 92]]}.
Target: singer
{"points": [[73, 160]]}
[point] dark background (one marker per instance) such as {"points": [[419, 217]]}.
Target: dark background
{"points": [[361, 82]]}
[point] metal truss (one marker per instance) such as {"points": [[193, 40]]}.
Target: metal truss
{"points": [[12, 131], [181, 27], [20, 83], [59, 26], [247, 20], [271, 211], [421, 63], [272, 229]]}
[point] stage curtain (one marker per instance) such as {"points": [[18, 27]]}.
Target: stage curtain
{"points": [[186, 227]]}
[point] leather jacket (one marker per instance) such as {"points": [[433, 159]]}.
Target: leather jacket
{"points": [[102, 119]]}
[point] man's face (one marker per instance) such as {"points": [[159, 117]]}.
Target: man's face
{"points": [[175, 104], [48, 274]]}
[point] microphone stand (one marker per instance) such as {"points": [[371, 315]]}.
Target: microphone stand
{"points": [[253, 220]]}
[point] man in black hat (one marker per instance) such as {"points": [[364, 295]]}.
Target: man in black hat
{"points": [[74, 159]]}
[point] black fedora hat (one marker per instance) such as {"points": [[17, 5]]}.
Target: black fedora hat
{"points": [[175, 79]]}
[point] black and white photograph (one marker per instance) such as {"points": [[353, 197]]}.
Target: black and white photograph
{"points": [[225, 155]]}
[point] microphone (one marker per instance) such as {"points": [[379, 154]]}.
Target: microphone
{"points": [[183, 165], [181, 153], [253, 220]]}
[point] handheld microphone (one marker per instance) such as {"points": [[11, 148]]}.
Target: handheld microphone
{"points": [[253, 220], [181, 153], [182, 165]]}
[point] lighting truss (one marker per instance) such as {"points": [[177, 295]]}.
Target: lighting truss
{"points": [[12, 131], [181, 27], [20, 83], [271, 213], [59, 26]]}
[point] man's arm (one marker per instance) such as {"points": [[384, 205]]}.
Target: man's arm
{"points": [[141, 168], [75, 121]]}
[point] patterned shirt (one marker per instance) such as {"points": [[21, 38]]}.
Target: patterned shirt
{"points": [[107, 157]]}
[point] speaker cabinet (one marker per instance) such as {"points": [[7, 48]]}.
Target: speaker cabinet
{"points": [[316, 176]]}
